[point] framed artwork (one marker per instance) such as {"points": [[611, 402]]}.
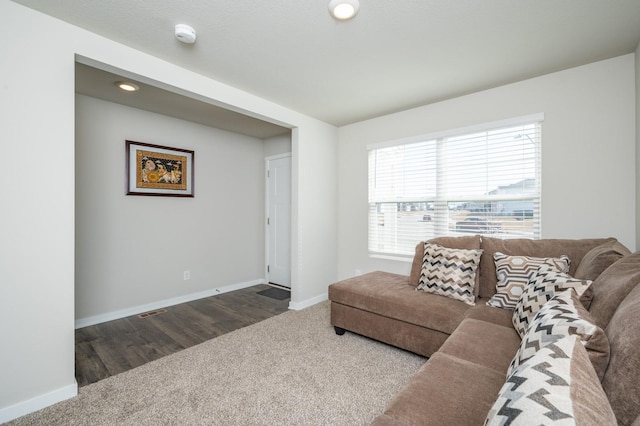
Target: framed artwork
{"points": [[159, 170]]}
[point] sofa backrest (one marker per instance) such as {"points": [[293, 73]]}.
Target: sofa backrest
{"points": [[616, 308], [612, 287], [575, 249]]}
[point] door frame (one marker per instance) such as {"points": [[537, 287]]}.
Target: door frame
{"points": [[267, 161]]}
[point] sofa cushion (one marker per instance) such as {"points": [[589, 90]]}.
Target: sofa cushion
{"points": [[600, 258], [555, 386], [469, 242], [492, 315], [622, 379], [388, 295], [612, 286], [483, 343], [562, 316], [445, 391], [515, 272], [411, 337], [449, 272], [574, 249], [542, 287]]}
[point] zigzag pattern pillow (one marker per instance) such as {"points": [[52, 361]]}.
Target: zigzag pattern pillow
{"points": [[544, 285], [449, 272], [562, 316], [514, 273], [548, 389]]}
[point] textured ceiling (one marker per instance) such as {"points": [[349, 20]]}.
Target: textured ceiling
{"points": [[394, 55]]}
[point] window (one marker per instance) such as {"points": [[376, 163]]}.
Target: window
{"points": [[484, 180]]}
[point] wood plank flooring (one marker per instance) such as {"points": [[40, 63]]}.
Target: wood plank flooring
{"points": [[106, 349]]}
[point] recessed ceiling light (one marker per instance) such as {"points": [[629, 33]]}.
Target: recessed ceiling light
{"points": [[344, 9], [127, 86]]}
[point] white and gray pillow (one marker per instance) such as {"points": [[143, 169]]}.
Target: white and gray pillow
{"points": [[513, 274], [542, 287], [449, 272], [562, 316], [548, 389]]}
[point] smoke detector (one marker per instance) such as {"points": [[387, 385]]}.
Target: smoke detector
{"points": [[185, 33]]}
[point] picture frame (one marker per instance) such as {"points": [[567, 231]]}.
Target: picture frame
{"points": [[157, 170]]}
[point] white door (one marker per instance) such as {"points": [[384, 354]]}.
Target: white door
{"points": [[279, 220]]}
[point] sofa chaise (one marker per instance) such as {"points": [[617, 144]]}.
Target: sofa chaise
{"points": [[476, 352]]}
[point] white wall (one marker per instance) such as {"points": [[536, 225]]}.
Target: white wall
{"points": [[277, 145], [315, 183], [588, 153], [37, 226], [37, 137], [132, 250], [637, 64]]}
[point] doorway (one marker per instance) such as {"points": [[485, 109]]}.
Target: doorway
{"points": [[278, 208]]}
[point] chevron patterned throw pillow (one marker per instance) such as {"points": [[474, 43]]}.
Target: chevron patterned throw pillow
{"points": [[562, 316], [542, 287], [514, 273], [449, 272], [546, 390]]}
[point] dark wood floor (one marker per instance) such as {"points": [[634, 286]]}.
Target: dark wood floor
{"points": [[106, 349]]}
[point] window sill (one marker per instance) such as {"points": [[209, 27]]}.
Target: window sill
{"points": [[397, 257]]}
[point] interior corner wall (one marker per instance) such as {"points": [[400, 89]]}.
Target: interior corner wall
{"points": [[588, 153], [132, 250], [637, 71], [37, 135]]}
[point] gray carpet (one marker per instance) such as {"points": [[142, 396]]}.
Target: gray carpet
{"points": [[291, 369]]}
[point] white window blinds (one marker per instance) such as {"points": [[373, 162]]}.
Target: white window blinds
{"points": [[481, 181]]}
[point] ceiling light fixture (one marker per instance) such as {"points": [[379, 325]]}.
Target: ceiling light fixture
{"points": [[185, 33], [344, 9], [127, 86]]}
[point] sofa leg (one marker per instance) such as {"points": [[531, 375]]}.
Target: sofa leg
{"points": [[339, 331]]}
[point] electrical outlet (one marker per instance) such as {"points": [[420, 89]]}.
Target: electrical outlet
{"points": [[186, 275]]}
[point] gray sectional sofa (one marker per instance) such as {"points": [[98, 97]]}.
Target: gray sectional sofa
{"points": [[470, 348]]}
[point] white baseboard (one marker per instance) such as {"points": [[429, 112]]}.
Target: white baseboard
{"points": [[135, 310], [34, 404], [296, 306]]}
